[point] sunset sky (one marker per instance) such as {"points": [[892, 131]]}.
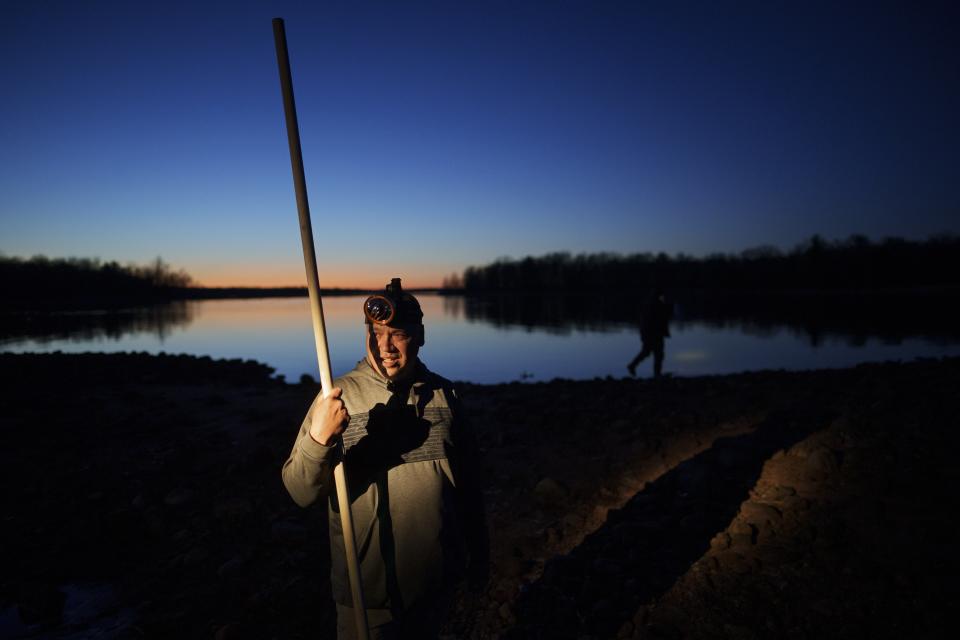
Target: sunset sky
{"points": [[440, 135]]}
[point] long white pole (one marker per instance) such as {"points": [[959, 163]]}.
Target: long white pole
{"points": [[316, 312]]}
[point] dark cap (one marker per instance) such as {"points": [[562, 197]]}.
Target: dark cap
{"points": [[393, 307]]}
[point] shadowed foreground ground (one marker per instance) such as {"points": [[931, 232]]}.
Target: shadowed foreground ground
{"points": [[143, 500]]}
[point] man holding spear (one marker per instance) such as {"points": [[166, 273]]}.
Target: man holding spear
{"points": [[411, 464], [389, 438]]}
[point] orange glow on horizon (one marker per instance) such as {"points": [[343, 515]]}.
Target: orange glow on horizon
{"points": [[261, 275]]}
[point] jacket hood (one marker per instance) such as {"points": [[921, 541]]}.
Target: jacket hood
{"points": [[365, 370]]}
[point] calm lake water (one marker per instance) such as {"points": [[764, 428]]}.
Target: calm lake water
{"points": [[462, 345]]}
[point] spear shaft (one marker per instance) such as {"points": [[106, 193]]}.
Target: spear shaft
{"points": [[316, 312]]}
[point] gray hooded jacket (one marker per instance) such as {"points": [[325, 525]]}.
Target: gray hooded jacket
{"points": [[411, 464]]}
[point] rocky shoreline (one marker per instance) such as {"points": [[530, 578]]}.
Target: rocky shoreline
{"points": [[144, 501]]}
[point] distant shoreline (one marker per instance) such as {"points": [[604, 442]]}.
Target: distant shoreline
{"points": [[207, 293], [170, 295]]}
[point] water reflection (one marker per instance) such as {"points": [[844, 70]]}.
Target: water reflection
{"points": [[453, 306], [855, 318], [82, 326], [506, 338], [554, 314]]}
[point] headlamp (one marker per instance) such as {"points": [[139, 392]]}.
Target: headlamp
{"points": [[392, 307], [379, 309]]}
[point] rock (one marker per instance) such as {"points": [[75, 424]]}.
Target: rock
{"points": [[759, 514], [658, 630], [734, 562], [231, 569], [776, 492], [821, 463], [153, 520], [572, 521], [235, 508], [260, 458], [195, 557], [231, 631], [805, 448], [502, 591], [289, 533], [641, 616], [739, 526], [551, 536], [178, 497], [741, 540], [129, 632], [721, 541], [796, 503], [708, 564], [742, 534], [735, 632], [550, 492]]}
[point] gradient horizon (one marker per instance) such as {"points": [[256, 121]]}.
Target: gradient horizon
{"points": [[340, 277]]}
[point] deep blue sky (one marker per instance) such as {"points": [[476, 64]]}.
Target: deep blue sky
{"points": [[438, 135]]}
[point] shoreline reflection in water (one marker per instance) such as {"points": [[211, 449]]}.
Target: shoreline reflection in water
{"points": [[533, 338]]}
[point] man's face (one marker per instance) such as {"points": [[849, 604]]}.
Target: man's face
{"points": [[393, 350]]}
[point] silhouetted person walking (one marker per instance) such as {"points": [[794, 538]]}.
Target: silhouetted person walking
{"points": [[654, 328]]}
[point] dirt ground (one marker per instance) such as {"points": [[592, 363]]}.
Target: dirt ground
{"points": [[143, 500]]}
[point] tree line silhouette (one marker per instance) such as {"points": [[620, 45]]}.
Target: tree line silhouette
{"points": [[42, 281], [813, 265]]}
